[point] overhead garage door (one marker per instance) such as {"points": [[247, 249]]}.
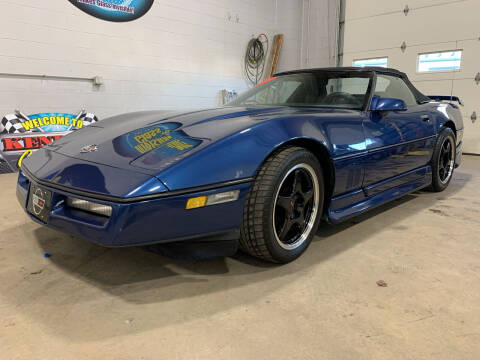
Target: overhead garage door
{"points": [[378, 28]]}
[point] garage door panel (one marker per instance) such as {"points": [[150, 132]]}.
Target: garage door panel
{"points": [[407, 62], [444, 25], [440, 76], [404, 61], [359, 9], [370, 31], [442, 87], [449, 22], [469, 93], [470, 56], [429, 84], [466, 88], [411, 60], [349, 58], [471, 141], [397, 59], [430, 26], [414, 5]]}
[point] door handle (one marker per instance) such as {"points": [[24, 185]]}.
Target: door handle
{"points": [[425, 118]]}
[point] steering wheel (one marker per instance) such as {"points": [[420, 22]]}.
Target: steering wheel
{"points": [[340, 98]]}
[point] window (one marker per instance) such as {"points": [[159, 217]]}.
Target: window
{"points": [[339, 89], [381, 62], [440, 61], [394, 87], [354, 86], [277, 94]]}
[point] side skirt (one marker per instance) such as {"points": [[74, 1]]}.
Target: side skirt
{"points": [[335, 215]]}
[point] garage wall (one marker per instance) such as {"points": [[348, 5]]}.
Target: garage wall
{"points": [[179, 55], [320, 33], [377, 28]]}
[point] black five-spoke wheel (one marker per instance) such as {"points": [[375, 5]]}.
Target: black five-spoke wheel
{"points": [[295, 206], [443, 159], [446, 160], [284, 204]]}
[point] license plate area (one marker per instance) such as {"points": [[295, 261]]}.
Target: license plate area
{"points": [[39, 202]]}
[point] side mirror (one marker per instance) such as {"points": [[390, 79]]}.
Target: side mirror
{"points": [[387, 104]]}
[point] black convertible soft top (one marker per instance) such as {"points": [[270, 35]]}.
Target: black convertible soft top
{"points": [[376, 69], [355, 69]]}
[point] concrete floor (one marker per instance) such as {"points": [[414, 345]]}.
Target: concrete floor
{"points": [[88, 302]]}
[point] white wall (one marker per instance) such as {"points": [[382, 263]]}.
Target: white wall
{"points": [[179, 55], [377, 28], [311, 33], [320, 33]]}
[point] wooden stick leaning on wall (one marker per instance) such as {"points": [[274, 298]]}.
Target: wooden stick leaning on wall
{"points": [[271, 67]]}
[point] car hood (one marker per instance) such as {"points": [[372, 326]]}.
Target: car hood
{"points": [[131, 152], [148, 142]]}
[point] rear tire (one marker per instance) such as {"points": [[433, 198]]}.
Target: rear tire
{"points": [[283, 208], [443, 160]]}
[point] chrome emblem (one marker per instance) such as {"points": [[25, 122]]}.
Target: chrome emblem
{"points": [[89, 148], [38, 201]]}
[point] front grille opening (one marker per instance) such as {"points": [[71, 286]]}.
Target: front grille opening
{"points": [[89, 206]]}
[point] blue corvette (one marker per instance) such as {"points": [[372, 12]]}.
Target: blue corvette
{"points": [[259, 173]]}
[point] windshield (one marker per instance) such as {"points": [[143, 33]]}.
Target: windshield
{"points": [[338, 89]]}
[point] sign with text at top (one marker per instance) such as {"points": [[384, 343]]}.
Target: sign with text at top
{"points": [[114, 10], [20, 133]]}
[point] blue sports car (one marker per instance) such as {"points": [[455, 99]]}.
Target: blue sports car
{"points": [[259, 173]]}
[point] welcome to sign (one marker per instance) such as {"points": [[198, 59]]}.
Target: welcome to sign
{"points": [[20, 133]]}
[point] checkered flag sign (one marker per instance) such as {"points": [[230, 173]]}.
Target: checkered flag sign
{"points": [[11, 124], [88, 119]]}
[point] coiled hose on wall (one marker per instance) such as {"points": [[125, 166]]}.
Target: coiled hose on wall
{"points": [[255, 58]]}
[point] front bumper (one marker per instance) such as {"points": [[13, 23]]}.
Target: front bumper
{"points": [[145, 222]]}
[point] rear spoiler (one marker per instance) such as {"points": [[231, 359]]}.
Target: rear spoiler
{"points": [[445, 98]]}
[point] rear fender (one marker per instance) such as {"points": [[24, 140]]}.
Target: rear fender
{"points": [[448, 115]]}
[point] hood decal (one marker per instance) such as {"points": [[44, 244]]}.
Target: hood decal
{"points": [[164, 138]]}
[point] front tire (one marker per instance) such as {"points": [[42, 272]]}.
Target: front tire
{"points": [[443, 160], [284, 205]]}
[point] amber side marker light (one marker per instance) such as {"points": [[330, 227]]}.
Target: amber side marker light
{"points": [[220, 198]]}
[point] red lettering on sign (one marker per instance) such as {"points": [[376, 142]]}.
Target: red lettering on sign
{"points": [[27, 142], [45, 140], [10, 144], [32, 143]]}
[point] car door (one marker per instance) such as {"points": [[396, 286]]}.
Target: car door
{"points": [[398, 142]]}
